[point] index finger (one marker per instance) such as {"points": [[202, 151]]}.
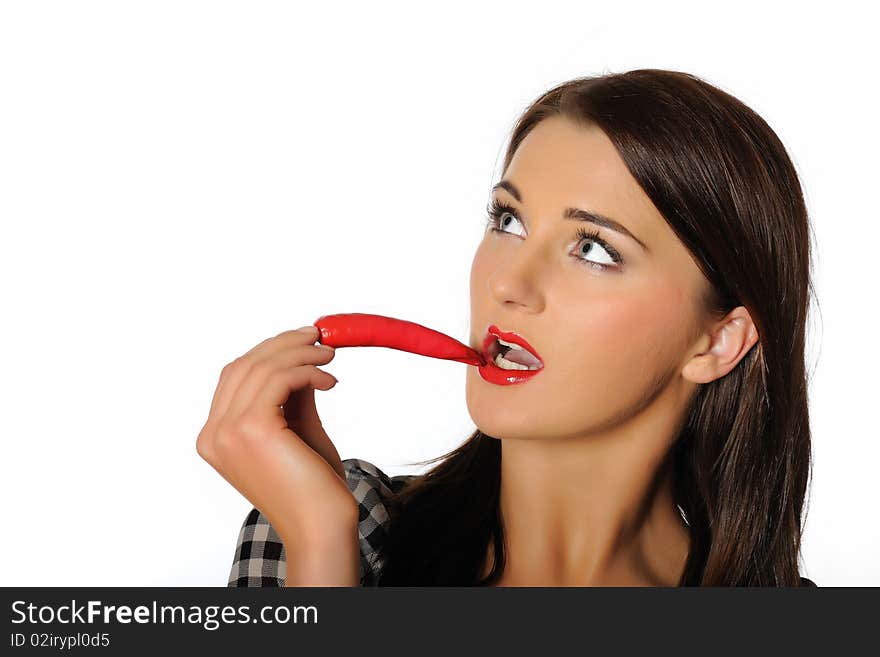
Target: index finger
{"points": [[301, 336]]}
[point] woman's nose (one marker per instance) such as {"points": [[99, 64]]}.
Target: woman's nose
{"points": [[518, 280]]}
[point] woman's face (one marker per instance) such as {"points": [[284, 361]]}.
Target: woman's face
{"points": [[610, 339]]}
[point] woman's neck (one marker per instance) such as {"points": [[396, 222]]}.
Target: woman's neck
{"points": [[592, 510]]}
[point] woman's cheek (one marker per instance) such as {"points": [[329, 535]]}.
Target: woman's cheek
{"points": [[626, 339], [478, 274]]}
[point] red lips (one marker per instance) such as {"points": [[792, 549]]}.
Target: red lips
{"points": [[497, 375], [510, 337]]}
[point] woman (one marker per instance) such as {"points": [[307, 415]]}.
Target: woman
{"points": [[649, 242]]}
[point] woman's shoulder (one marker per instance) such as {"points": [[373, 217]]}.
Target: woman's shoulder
{"points": [[370, 486], [363, 475]]}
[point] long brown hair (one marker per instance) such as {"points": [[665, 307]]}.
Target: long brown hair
{"points": [[725, 184]]}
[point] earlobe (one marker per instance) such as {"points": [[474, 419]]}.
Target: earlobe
{"points": [[731, 340]]}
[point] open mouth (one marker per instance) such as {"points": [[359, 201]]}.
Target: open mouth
{"points": [[509, 351]]}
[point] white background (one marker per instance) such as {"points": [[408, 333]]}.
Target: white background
{"points": [[181, 180]]}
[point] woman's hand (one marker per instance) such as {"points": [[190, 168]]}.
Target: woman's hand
{"points": [[264, 436]]}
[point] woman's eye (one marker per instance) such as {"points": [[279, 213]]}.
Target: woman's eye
{"points": [[500, 221], [596, 247], [591, 247]]}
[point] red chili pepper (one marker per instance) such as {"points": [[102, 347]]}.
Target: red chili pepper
{"points": [[366, 330]]}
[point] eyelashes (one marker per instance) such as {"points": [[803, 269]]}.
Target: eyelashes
{"points": [[495, 209]]}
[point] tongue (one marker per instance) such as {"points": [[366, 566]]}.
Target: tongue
{"points": [[522, 357]]}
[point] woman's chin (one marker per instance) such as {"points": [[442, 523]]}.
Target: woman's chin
{"points": [[501, 423]]}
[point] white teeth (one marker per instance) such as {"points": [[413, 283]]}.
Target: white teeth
{"points": [[510, 344], [505, 364]]}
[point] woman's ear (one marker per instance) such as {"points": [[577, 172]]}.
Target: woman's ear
{"points": [[722, 347]]}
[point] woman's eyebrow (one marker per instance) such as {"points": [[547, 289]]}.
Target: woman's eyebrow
{"points": [[578, 215]]}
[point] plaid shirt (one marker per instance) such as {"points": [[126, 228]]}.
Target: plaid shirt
{"points": [[259, 555]]}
